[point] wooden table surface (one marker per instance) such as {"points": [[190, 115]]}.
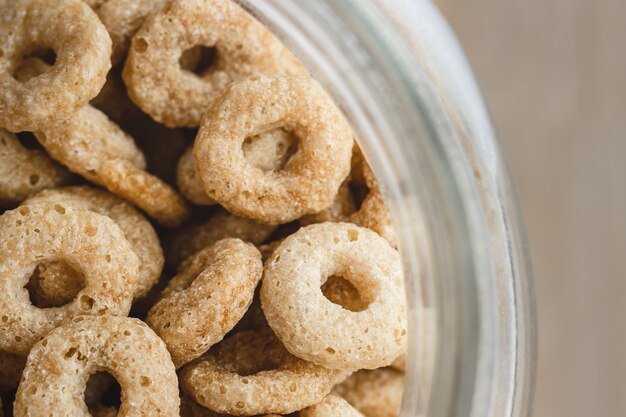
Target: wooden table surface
{"points": [[554, 75]]}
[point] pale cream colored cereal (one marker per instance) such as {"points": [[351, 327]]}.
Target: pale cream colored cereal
{"points": [[221, 225], [252, 373], [207, 298], [24, 172], [296, 309], [11, 368], [138, 231], [93, 243], [331, 406], [123, 18], [310, 179], [82, 47], [60, 364], [268, 151], [376, 393], [179, 98]]}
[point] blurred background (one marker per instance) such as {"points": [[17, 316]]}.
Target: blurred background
{"points": [[554, 76]]}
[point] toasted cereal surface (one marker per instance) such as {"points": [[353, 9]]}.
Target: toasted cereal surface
{"points": [[207, 298], [331, 406], [24, 172], [82, 47], [310, 179], [188, 226], [295, 307], [179, 98], [94, 243], [252, 373], [59, 366], [375, 393], [137, 230]]}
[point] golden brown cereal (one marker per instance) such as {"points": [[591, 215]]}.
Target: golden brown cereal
{"points": [[91, 145], [210, 294], [400, 363], [179, 98], [82, 47], [11, 368], [59, 366], [251, 373], [138, 231], [221, 225], [24, 172], [376, 393], [296, 308], [92, 242], [310, 179], [268, 151], [331, 406], [123, 18], [373, 212]]}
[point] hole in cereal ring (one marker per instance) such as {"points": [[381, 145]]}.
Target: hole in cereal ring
{"points": [[342, 292], [54, 284], [271, 150], [102, 391], [29, 141], [29, 68], [198, 59]]}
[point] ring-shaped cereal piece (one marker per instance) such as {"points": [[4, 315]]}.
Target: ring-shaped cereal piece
{"points": [[24, 172], [375, 393], [59, 366], [220, 225], [268, 151], [211, 293], [82, 46], [331, 406], [92, 243], [310, 179], [251, 373], [138, 231], [91, 145], [295, 307], [179, 98]]}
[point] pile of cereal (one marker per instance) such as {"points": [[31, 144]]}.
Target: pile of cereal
{"points": [[189, 227]]}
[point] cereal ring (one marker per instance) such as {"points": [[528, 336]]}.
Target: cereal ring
{"points": [[11, 368], [24, 172], [59, 366], [138, 231], [148, 192], [123, 18], [211, 293], [296, 308], [376, 393], [82, 48], [331, 406], [268, 151], [179, 98], [252, 373], [91, 145], [91, 242], [339, 211], [221, 225], [311, 177]]}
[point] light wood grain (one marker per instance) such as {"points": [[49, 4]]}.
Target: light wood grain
{"points": [[554, 74]]}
